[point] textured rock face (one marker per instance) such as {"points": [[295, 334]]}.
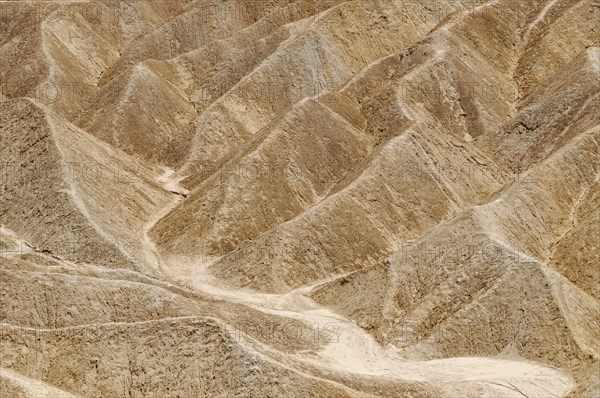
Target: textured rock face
{"points": [[299, 198]]}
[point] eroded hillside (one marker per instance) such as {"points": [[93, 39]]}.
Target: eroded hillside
{"points": [[300, 198]]}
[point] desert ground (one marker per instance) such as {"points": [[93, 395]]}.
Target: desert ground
{"points": [[299, 198]]}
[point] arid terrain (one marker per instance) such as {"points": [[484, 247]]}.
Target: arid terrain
{"points": [[299, 198]]}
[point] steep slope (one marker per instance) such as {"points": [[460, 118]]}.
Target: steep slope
{"points": [[321, 239], [559, 32], [322, 53], [65, 47], [113, 359], [43, 299], [20, 36], [140, 112], [575, 256], [534, 133], [15, 385], [80, 190], [200, 22], [444, 292], [283, 171]]}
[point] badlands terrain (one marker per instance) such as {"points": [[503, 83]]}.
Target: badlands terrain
{"points": [[299, 198]]}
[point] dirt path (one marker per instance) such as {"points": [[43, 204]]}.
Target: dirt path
{"points": [[172, 185]]}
